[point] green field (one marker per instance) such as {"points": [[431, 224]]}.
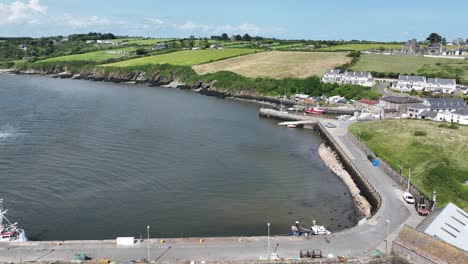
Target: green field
{"points": [[439, 159], [96, 56], [361, 47], [185, 58], [286, 46], [449, 68]]}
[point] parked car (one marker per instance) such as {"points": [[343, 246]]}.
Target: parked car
{"points": [[408, 197], [330, 125]]}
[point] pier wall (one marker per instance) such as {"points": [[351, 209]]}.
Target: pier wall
{"points": [[366, 188]]}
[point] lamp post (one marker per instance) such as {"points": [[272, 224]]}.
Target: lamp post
{"points": [[434, 196], [148, 231], [268, 239], [388, 232]]}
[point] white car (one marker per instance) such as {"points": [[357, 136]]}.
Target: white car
{"points": [[408, 198]]}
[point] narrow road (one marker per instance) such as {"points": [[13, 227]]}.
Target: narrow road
{"points": [[356, 241]]}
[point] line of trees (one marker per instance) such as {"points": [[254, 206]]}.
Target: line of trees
{"points": [[245, 37]]}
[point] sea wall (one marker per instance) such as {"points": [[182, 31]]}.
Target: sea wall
{"points": [[367, 189]]}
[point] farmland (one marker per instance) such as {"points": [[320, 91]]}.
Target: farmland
{"points": [[438, 155], [185, 58], [96, 56], [361, 47], [278, 64], [141, 41], [413, 65]]}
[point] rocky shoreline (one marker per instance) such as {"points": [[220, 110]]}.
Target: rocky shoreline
{"points": [[329, 157], [154, 79]]}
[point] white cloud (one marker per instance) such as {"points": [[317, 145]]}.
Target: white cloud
{"points": [[85, 22], [22, 12], [229, 29]]}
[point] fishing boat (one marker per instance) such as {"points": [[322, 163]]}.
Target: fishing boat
{"points": [[315, 110], [298, 230], [318, 229], [10, 232]]}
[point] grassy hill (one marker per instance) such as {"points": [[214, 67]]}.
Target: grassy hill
{"points": [[278, 64], [438, 157], [96, 56], [449, 68], [185, 58]]}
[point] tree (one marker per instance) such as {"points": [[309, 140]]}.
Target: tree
{"points": [[224, 37], [434, 38], [246, 37], [141, 51], [444, 41], [238, 37]]}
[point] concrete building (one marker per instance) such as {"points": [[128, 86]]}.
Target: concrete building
{"points": [[359, 78], [434, 49], [448, 224], [159, 46], [414, 111], [446, 105], [332, 76], [400, 104], [349, 77], [458, 116], [439, 85], [406, 83]]}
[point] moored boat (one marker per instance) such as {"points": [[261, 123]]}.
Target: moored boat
{"points": [[292, 126], [315, 110], [9, 232]]}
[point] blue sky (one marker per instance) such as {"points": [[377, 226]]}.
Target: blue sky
{"points": [[290, 19]]}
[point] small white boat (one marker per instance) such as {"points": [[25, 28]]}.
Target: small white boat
{"points": [[319, 230], [291, 126], [10, 232]]}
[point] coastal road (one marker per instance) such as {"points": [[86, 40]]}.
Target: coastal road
{"points": [[356, 241]]}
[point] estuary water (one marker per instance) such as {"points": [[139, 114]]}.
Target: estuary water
{"points": [[94, 160]]}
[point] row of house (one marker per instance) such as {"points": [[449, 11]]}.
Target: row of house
{"points": [[453, 110], [348, 77], [407, 83]]}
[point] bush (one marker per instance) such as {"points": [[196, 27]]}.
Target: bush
{"points": [[443, 126], [453, 126], [419, 133]]}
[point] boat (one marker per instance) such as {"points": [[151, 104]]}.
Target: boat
{"points": [[10, 232], [318, 229], [291, 126], [315, 110]]}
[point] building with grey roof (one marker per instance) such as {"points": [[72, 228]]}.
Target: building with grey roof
{"points": [[411, 47], [444, 104], [407, 83], [440, 85], [359, 78], [459, 116], [399, 103], [449, 224], [333, 76]]}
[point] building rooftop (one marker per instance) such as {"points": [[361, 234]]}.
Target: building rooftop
{"points": [[401, 100], [333, 71], [419, 106], [410, 78], [448, 224], [441, 81], [357, 74], [428, 113], [445, 103], [463, 111]]}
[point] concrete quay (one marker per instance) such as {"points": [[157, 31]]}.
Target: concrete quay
{"points": [[353, 242]]}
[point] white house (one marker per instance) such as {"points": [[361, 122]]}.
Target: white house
{"points": [[100, 41], [438, 85], [332, 76], [359, 78], [406, 83], [348, 77], [459, 116]]}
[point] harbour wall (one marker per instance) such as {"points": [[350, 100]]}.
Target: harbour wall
{"points": [[367, 189]]}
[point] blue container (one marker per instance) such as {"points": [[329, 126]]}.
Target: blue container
{"points": [[375, 162]]}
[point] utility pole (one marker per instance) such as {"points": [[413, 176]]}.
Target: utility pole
{"points": [[148, 230], [268, 239], [409, 180], [434, 196]]}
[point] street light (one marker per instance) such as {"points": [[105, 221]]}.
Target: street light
{"points": [[268, 239], [388, 232], [148, 230]]}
